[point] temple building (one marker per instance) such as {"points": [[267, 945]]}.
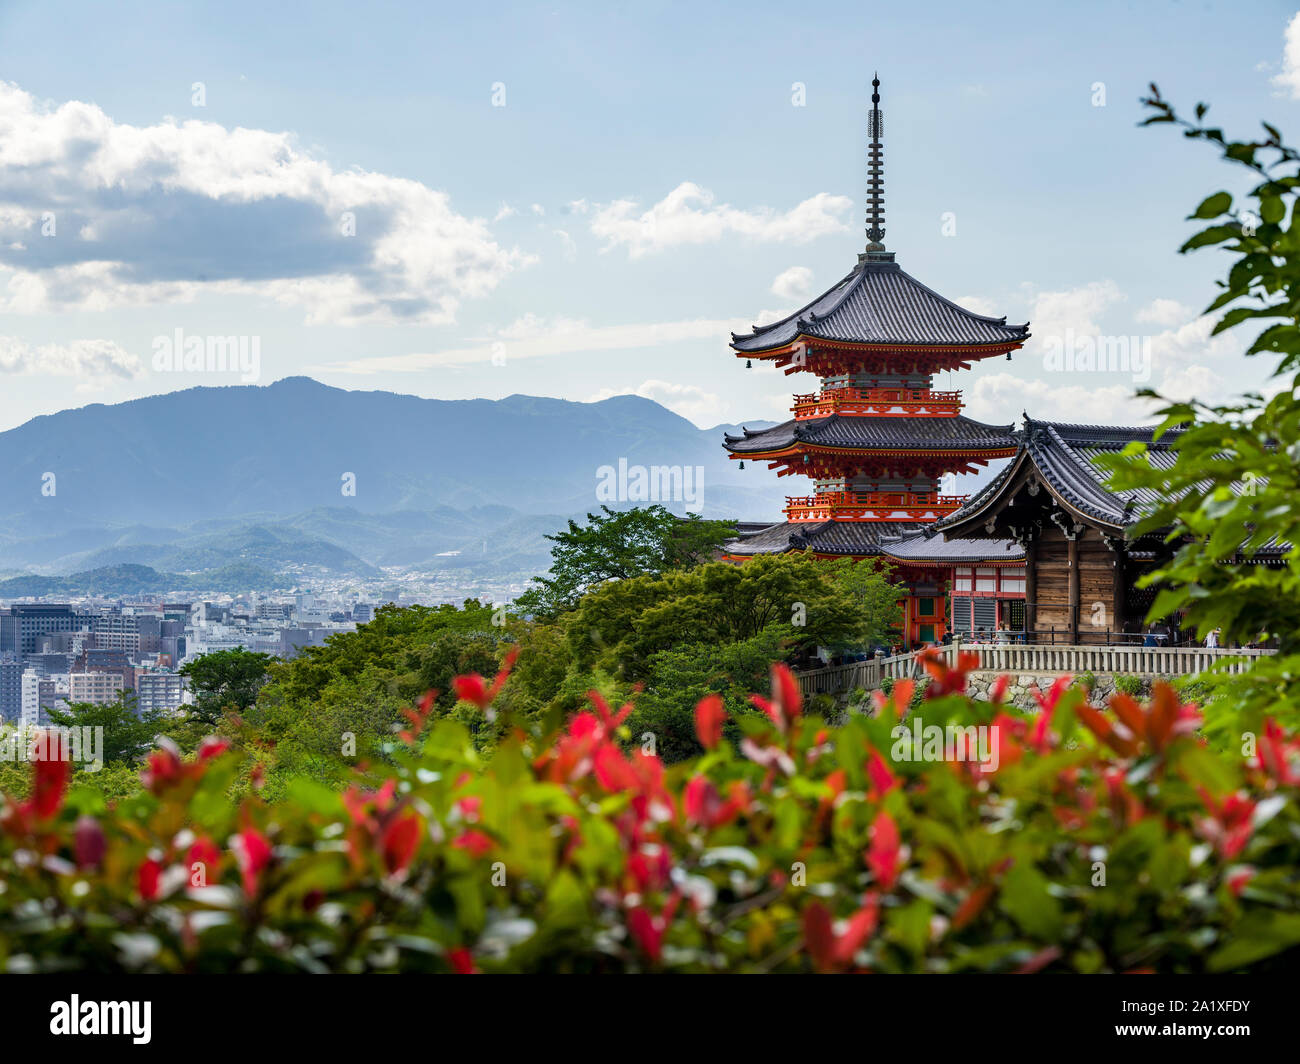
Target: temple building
{"points": [[1082, 559], [876, 437]]}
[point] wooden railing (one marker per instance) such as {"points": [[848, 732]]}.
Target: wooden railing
{"points": [[819, 506], [1021, 658], [876, 401]]}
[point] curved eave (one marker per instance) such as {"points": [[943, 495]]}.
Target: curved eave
{"points": [[805, 339], [876, 452], [970, 518]]}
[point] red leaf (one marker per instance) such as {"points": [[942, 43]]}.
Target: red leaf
{"points": [[146, 879], [254, 856], [88, 842], [400, 840], [883, 855], [819, 936], [709, 716]]}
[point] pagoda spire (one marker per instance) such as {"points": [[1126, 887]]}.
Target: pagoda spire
{"points": [[875, 173]]}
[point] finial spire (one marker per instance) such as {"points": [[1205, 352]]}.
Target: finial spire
{"points": [[875, 172]]}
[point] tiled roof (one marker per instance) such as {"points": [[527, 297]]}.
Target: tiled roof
{"points": [[1065, 456], [875, 433], [892, 539], [878, 303]]}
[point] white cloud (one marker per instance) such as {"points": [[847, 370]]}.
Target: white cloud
{"points": [[1073, 310], [1288, 80], [535, 337], [978, 305], [793, 284], [80, 358], [1000, 397], [183, 207], [503, 212], [688, 400], [687, 215], [1165, 312], [1192, 382]]}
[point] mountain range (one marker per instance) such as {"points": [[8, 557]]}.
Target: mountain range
{"points": [[299, 476]]}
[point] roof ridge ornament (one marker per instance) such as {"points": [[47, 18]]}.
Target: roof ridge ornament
{"points": [[875, 181]]}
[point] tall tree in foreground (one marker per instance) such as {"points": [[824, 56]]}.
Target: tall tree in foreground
{"points": [[1235, 485]]}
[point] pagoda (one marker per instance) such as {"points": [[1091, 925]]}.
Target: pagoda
{"points": [[876, 437]]}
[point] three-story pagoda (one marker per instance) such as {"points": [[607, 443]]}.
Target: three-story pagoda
{"points": [[876, 437]]}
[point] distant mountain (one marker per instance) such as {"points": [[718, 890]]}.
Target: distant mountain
{"points": [[298, 474], [139, 579]]}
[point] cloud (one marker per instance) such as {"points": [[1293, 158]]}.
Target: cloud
{"points": [[503, 212], [535, 337], [978, 305], [690, 401], [97, 214], [1288, 80], [1074, 310], [793, 284], [1165, 312], [687, 215], [80, 358], [1000, 397]]}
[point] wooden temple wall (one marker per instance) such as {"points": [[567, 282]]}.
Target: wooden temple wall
{"points": [[1075, 586]]}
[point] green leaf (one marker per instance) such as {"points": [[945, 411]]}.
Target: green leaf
{"points": [[1213, 206], [1026, 900]]}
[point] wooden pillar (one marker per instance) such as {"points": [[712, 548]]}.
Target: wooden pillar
{"points": [[1031, 586], [1072, 558], [1118, 591]]}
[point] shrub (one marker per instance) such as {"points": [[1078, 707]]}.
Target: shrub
{"points": [[1086, 841], [1129, 685]]}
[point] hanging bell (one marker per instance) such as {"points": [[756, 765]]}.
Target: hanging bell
{"points": [[749, 363], [806, 459], [1008, 356], [742, 465]]}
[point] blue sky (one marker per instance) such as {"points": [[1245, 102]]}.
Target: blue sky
{"points": [[648, 185]]}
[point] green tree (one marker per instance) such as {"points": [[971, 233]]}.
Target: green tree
{"points": [[875, 599], [225, 679], [128, 734], [618, 627], [618, 545], [1235, 484], [677, 678]]}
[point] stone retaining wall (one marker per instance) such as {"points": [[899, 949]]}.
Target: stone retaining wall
{"points": [[1020, 691]]}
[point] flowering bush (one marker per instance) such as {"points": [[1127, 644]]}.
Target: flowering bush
{"points": [[1081, 839]]}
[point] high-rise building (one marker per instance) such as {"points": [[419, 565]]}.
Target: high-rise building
{"points": [[100, 688], [39, 695], [21, 625], [159, 690], [11, 687]]}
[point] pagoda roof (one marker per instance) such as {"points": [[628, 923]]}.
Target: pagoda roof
{"points": [[893, 540], [879, 303], [875, 433]]}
